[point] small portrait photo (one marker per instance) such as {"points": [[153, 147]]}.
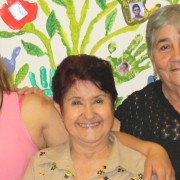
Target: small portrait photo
{"points": [[136, 10], [124, 68]]}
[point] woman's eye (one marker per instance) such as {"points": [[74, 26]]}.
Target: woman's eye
{"points": [[76, 103], [164, 47], [98, 101]]}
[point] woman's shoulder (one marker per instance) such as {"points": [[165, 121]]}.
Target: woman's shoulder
{"points": [[146, 91], [36, 102], [50, 154], [131, 160]]}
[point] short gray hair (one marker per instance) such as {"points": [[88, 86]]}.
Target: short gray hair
{"points": [[165, 15]]}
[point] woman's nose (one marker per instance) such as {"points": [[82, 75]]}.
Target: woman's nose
{"points": [[176, 54], [88, 112]]}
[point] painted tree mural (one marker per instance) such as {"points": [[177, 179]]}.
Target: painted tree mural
{"points": [[20, 16]]}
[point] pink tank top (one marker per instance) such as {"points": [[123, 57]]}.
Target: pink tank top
{"points": [[16, 145]]}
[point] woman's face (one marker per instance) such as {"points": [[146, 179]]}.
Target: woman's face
{"points": [[166, 54], [87, 113]]}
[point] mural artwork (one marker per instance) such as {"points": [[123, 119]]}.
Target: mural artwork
{"points": [[20, 18]]}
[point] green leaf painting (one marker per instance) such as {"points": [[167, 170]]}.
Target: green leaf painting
{"points": [[110, 21], [5, 34], [60, 2], [52, 24], [22, 73], [101, 3], [32, 49]]}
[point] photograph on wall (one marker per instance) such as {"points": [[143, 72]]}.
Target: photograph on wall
{"points": [[136, 10], [124, 68]]}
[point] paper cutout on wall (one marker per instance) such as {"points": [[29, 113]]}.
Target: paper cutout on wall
{"points": [[17, 13], [10, 65]]}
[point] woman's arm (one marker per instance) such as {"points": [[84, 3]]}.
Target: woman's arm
{"points": [[157, 161]]}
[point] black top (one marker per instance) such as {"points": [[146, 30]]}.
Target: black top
{"points": [[147, 114]]}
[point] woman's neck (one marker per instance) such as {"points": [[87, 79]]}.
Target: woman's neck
{"points": [[172, 94], [88, 161], [90, 152], [90, 148]]}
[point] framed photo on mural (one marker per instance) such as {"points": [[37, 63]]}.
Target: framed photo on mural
{"points": [[136, 10], [124, 68]]}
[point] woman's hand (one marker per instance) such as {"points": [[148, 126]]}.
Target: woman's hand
{"points": [[158, 162]]}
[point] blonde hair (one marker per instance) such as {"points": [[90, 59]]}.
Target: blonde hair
{"points": [[4, 82]]}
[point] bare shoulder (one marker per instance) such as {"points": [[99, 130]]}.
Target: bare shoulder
{"points": [[43, 121], [39, 107], [37, 101]]}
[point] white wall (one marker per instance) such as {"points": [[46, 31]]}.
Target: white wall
{"points": [[8, 44]]}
